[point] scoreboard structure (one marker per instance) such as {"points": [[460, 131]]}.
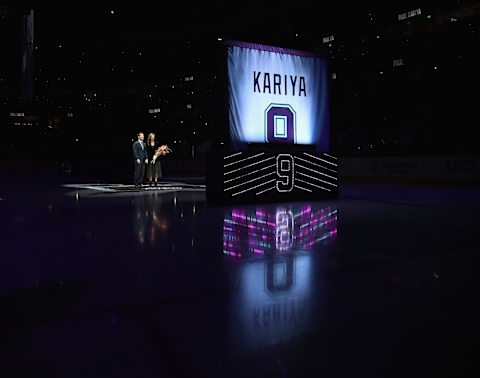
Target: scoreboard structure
{"points": [[276, 145]]}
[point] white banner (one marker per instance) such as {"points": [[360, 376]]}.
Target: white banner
{"points": [[277, 96]]}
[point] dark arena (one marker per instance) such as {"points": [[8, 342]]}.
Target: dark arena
{"points": [[251, 189]]}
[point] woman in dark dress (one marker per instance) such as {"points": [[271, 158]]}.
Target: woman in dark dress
{"points": [[154, 168]]}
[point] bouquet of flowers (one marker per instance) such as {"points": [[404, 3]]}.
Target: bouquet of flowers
{"points": [[162, 150]]}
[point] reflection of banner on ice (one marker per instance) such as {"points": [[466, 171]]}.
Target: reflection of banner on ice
{"points": [[246, 233], [275, 302], [284, 227]]}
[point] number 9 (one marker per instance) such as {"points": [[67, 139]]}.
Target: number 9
{"points": [[285, 175], [284, 230]]}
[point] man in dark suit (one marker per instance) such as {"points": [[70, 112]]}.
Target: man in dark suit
{"points": [[141, 160]]}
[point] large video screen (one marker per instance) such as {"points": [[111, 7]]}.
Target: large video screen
{"points": [[277, 95]]}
